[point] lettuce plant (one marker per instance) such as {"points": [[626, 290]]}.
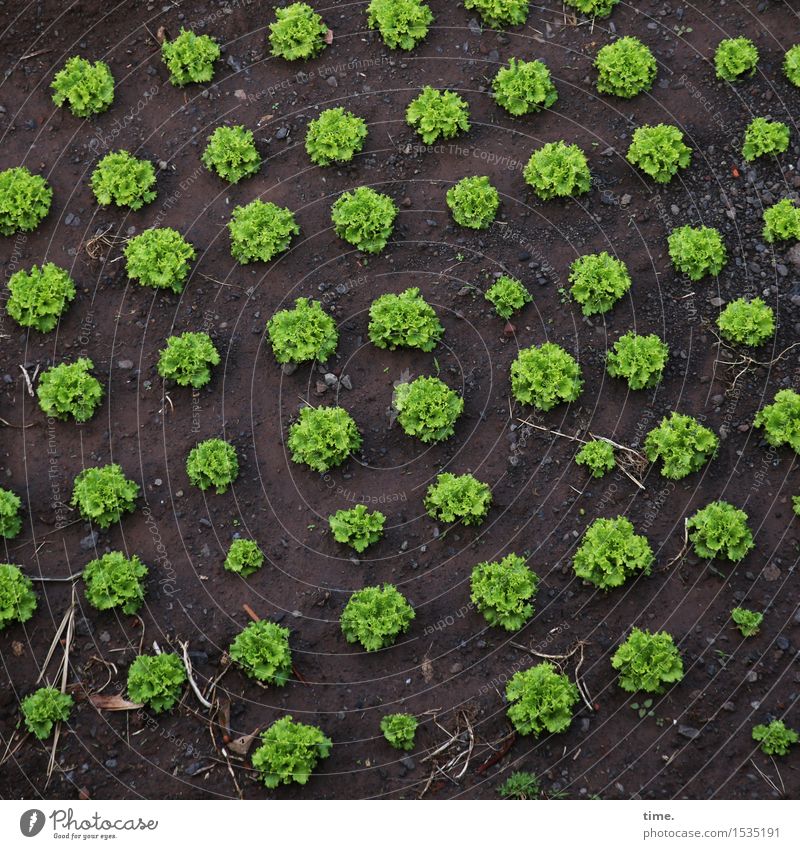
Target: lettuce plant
{"points": [[187, 359], [611, 552], [524, 87], [791, 65], [10, 521], [156, 680], [290, 751], [720, 530], [746, 322], [775, 738], [403, 24], [124, 180], [682, 444], [763, 137], [190, 58], [24, 200], [659, 151], [43, 709], [597, 456], [647, 662], [115, 580], [260, 231], [520, 786], [358, 527], [596, 8], [781, 420], [558, 169], [364, 218], [39, 297], [159, 257], [406, 320], [697, 251], [103, 494], [244, 557], [638, 359], [541, 700], [87, 88], [503, 591], [438, 114], [213, 462], [298, 32], [782, 221], [231, 153], [598, 281], [262, 650], [303, 333], [458, 498], [735, 58], [507, 295], [336, 136], [545, 375], [500, 13], [17, 598], [427, 408], [399, 729], [70, 390], [474, 202], [323, 437], [747, 621], [375, 617], [625, 68]]}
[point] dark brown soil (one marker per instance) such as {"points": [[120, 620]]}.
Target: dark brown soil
{"points": [[697, 745]]}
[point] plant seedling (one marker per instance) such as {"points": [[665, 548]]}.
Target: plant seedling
{"points": [[375, 617], [438, 114], [298, 32], [399, 729], [87, 88], [403, 24]]}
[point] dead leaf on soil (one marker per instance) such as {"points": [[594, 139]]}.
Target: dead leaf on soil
{"points": [[113, 702], [241, 745], [224, 714], [427, 670], [17, 648]]}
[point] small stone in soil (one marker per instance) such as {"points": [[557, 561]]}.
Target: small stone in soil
{"points": [[90, 541]]}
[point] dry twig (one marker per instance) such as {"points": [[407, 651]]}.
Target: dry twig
{"points": [[30, 380], [578, 647], [94, 246], [744, 362], [684, 548], [192, 683], [69, 622], [630, 459]]}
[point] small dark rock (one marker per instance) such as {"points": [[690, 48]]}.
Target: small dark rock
{"points": [[90, 541]]}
